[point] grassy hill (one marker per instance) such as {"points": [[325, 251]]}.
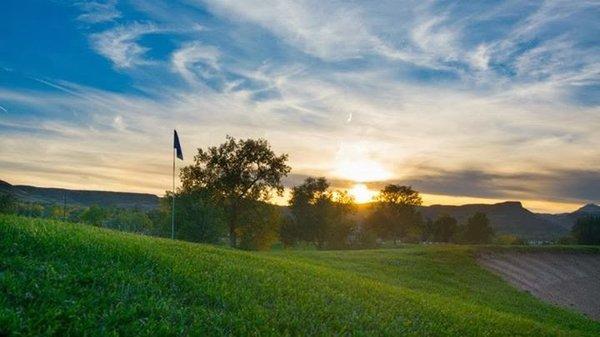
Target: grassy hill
{"points": [[66, 279], [57, 196]]}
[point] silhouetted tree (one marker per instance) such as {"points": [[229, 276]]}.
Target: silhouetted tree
{"points": [[261, 226], [477, 229], [199, 217], [445, 228], [239, 173], [586, 230], [318, 215], [394, 214], [8, 203]]}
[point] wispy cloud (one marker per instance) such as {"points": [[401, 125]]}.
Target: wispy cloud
{"points": [[333, 32], [195, 59], [98, 12], [433, 93], [120, 44]]}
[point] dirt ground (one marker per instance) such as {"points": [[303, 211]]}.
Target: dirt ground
{"points": [[570, 280]]}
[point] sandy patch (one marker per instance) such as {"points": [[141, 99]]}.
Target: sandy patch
{"points": [[570, 280]]}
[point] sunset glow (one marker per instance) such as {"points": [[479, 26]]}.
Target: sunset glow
{"points": [[361, 193]]}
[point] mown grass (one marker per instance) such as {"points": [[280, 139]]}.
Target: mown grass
{"points": [[68, 280]]}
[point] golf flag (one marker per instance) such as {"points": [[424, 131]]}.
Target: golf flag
{"points": [[176, 149], [177, 145]]}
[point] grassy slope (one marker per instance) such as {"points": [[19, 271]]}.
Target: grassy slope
{"points": [[64, 279]]}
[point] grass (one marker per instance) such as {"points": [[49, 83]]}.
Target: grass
{"points": [[59, 279]]}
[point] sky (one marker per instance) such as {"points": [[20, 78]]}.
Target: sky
{"points": [[467, 101]]}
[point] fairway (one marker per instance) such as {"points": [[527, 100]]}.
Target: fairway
{"points": [[60, 279]]}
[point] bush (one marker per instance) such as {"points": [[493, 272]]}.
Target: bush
{"points": [[567, 240], [364, 239], [508, 239], [129, 221]]}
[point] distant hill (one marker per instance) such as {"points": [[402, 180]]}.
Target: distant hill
{"points": [[567, 220], [45, 195], [506, 218]]}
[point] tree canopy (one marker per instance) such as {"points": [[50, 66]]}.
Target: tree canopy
{"points": [[239, 173], [318, 215], [394, 214]]}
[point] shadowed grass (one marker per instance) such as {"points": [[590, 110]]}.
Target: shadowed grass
{"points": [[66, 279]]}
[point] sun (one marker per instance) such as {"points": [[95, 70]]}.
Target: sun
{"points": [[361, 193]]}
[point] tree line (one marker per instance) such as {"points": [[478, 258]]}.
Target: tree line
{"points": [[225, 196]]}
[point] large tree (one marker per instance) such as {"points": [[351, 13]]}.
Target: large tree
{"points": [[394, 214], [319, 215], [239, 173]]}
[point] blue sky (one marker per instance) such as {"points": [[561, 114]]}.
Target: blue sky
{"points": [[467, 101]]}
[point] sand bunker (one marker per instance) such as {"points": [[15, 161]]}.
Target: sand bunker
{"points": [[570, 280]]}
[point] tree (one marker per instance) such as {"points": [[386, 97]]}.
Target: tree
{"points": [[8, 203], [239, 173], [94, 215], [477, 229], [199, 217], [444, 229], [337, 213], [261, 226], [30, 209], [586, 230], [319, 215], [306, 222], [394, 214], [128, 220]]}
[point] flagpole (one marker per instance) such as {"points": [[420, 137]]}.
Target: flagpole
{"points": [[173, 210]]}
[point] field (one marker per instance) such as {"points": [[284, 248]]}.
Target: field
{"points": [[64, 279]]}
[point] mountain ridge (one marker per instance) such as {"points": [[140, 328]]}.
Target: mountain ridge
{"points": [[51, 195]]}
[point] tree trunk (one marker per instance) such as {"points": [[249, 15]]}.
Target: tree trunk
{"points": [[233, 225], [232, 235]]}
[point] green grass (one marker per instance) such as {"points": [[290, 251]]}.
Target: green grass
{"points": [[68, 279]]}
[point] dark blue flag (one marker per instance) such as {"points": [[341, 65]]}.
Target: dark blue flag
{"points": [[177, 146]]}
